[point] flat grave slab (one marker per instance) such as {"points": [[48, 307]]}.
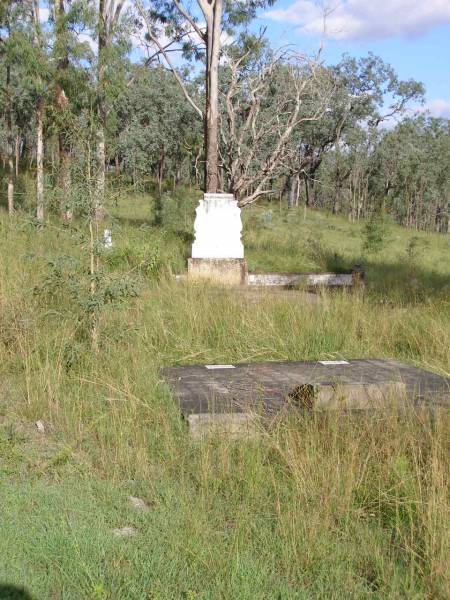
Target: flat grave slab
{"points": [[272, 387]]}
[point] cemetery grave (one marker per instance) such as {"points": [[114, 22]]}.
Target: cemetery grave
{"points": [[227, 397]]}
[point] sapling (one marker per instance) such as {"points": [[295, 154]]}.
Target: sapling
{"points": [[375, 234], [89, 287]]}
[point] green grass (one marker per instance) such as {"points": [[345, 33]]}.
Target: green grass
{"points": [[318, 507]]}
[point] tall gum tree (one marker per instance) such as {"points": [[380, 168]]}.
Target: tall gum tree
{"points": [[199, 31], [109, 17], [7, 20], [62, 105], [39, 44]]}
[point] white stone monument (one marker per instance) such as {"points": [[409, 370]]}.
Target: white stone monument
{"points": [[218, 252], [107, 238]]}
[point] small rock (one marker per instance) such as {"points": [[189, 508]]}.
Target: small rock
{"points": [[41, 426], [138, 503], [126, 531]]}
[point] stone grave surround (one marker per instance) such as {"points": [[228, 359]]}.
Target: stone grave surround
{"points": [[234, 398], [218, 251]]}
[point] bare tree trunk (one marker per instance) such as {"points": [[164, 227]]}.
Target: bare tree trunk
{"points": [[17, 150], [62, 102], [160, 173], [337, 195], [307, 199], [10, 145], [39, 124], [100, 179], [10, 184], [292, 191], [214, 23], [101, 114], [64, 179], [40, 160], [93, 288]]}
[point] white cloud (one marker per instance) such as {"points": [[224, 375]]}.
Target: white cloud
{"points": [[365, 19], [437, 108]]}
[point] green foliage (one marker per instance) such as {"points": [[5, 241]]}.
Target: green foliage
{"points": [[375, 233], [415, 247], [321, 255], [144, 259], [157, 128], [226, 519], [83, 296]]}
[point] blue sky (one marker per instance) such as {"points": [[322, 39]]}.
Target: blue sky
{"points": [[412, 35]]}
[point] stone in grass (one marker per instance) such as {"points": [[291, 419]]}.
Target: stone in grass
{"points": [[42, 426], [127, 531], [138, 503]]}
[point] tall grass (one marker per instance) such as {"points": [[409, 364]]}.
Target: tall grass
{"points": [[316, 507]]}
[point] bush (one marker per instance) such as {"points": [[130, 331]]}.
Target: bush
{"points": [[375, 233]]}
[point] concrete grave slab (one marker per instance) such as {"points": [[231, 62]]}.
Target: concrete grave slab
{"points": [[270, 388]]}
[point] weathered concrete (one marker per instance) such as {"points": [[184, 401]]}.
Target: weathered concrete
{"points": [[231, 425], [301, 279], [352, 396], [270, 388], [227, 271]]}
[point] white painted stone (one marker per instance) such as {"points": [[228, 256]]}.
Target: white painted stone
{"points": [[138, 503], [218, 228], [40, 426], [107, 238], [126, 531], [334, 362]]}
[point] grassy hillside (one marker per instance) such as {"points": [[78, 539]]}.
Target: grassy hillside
{"points": [[333, 507]]}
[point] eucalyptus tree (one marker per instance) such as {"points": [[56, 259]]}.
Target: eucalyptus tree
{"points": [[158, 127], [367, 92], [112, 45], [413, 173], [10, 13], [41, 69], [32, 61], [198, 31], [23, 52], [71, 58]]}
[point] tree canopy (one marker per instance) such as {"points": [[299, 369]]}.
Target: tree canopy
{"points": [[128, 88]]}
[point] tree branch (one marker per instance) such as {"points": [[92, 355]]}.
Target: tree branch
{"points": [[167, 59], [190, 20]]}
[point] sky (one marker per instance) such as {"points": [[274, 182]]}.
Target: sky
{"points": [[412, 35]]}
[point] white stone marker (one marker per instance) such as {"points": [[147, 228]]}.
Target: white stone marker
{"points": [[218, 228], [107, 238], [218, 252]]}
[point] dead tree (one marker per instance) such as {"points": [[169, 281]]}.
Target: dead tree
{"points": [[265, 109]]}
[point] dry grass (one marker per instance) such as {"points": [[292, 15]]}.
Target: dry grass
{"points": [[318, 507]]}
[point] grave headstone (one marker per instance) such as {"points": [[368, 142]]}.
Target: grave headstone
{"points": [[218, 251]]}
